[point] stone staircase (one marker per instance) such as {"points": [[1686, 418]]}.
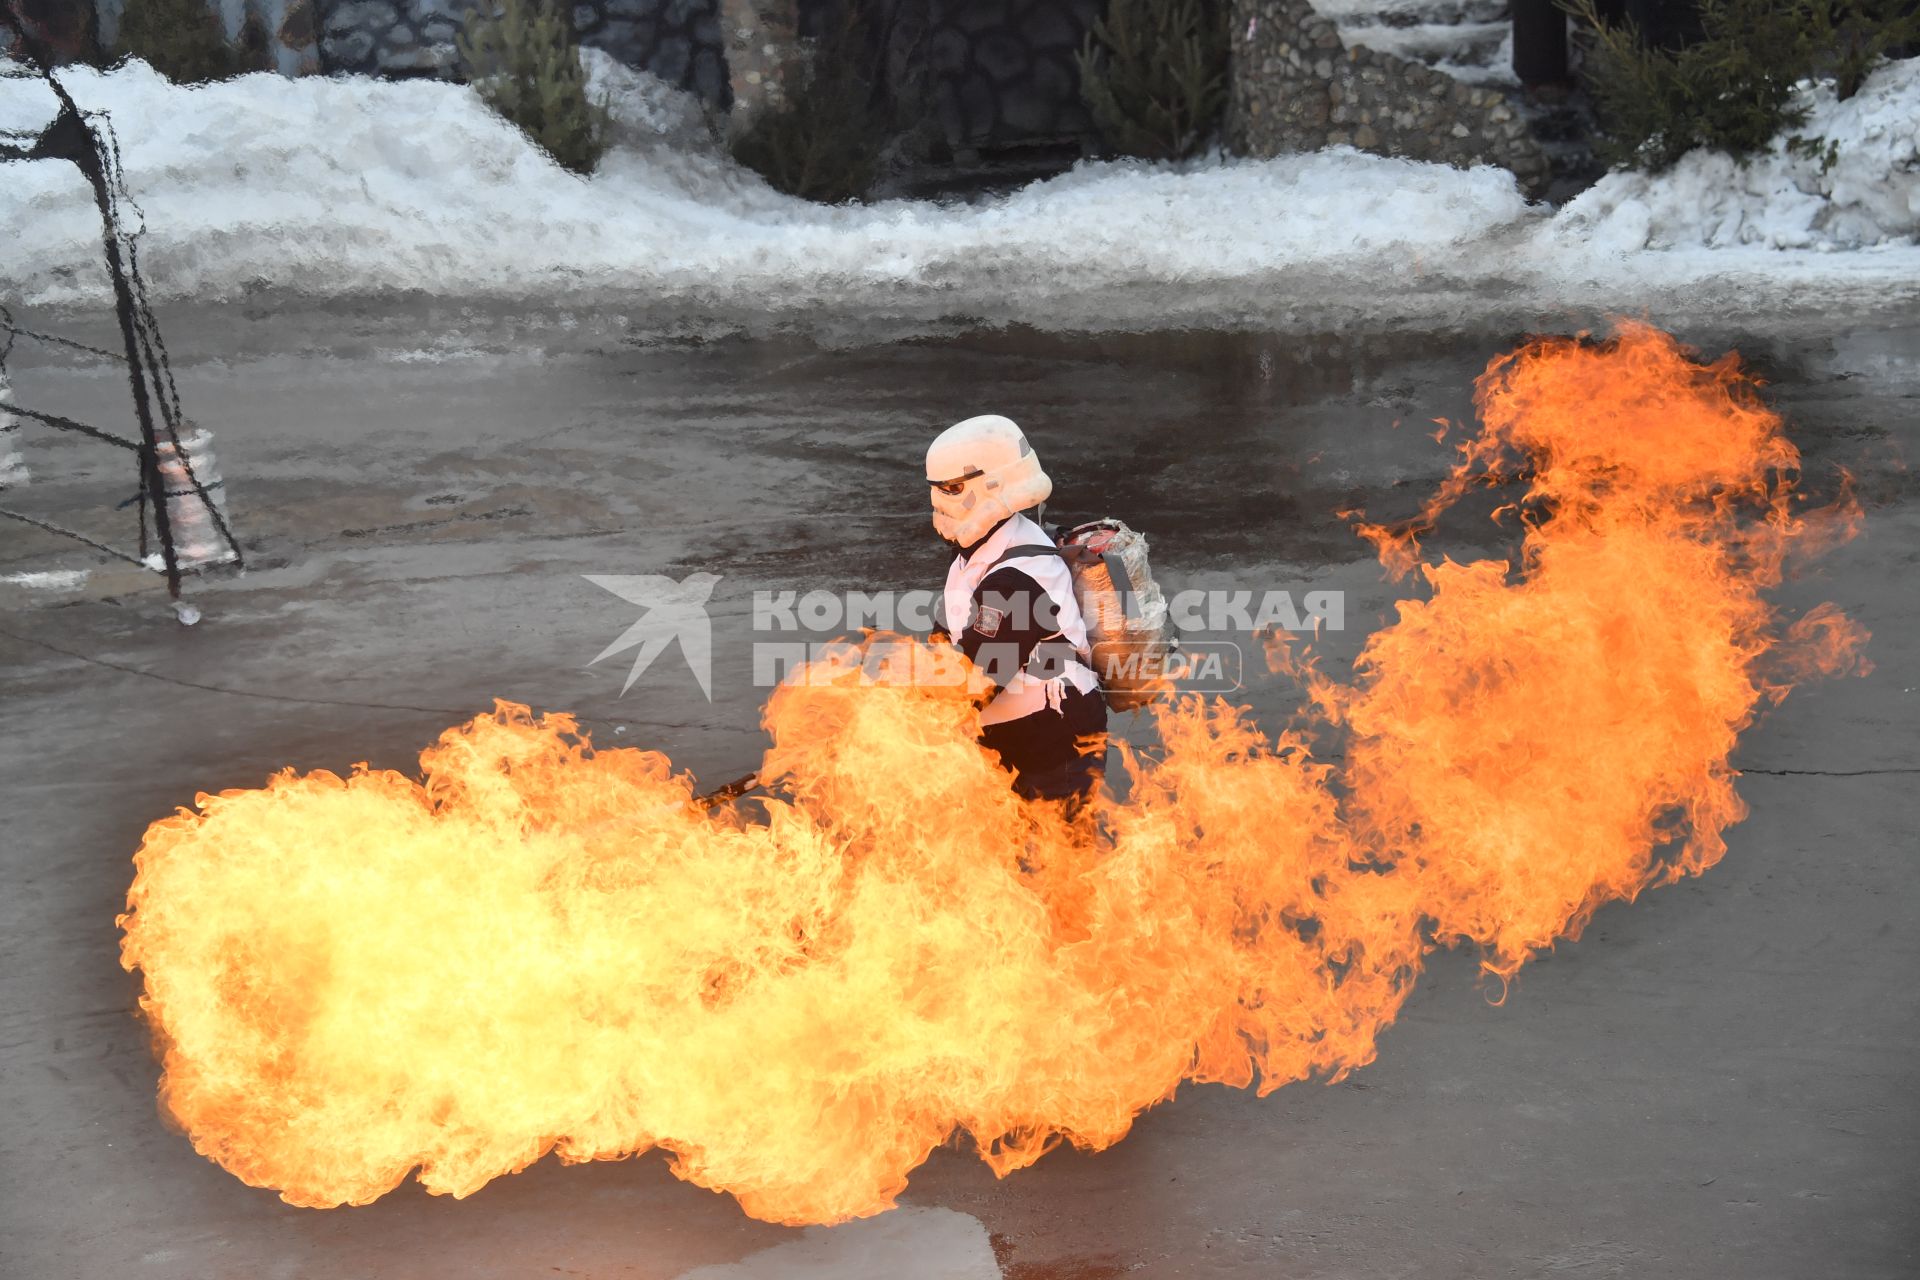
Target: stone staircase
{"points": [[1472, 41]]}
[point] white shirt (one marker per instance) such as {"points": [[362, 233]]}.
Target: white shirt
{"points": [[1024, 694]]}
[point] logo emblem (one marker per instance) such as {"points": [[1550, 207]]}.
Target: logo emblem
{"points": [[673, 611]]}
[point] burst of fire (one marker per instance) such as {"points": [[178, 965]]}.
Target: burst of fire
{"points": [[544, 947]]}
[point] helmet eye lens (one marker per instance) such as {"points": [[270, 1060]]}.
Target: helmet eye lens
{"points": [[954, 488]]}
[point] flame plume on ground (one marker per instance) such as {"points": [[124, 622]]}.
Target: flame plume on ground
{"points": [[543, 947]]}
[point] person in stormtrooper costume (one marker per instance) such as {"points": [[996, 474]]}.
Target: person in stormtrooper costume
{"points": [[1011, 595]]}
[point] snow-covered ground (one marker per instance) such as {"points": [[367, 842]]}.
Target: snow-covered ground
{"points": [[1786, 199], [338, 187]]}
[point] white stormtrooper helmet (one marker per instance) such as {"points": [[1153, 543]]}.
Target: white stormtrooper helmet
{"points": [[982, 471]]}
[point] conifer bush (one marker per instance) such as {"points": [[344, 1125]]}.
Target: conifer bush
{"points": [[522, 57], [830, 137], [184, 40], [1733, 89], [1153, 74], [1851, 37]]}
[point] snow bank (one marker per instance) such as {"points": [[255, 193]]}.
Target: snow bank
{"points": [[1781, 200], [335, 187], [341, 186]]}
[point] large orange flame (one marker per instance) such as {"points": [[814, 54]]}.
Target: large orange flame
{"points": [[540, 946]]}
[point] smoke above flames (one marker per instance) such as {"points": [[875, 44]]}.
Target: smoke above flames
{"points": [[539, 946]]}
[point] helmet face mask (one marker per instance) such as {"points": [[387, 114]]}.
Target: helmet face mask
{"points": [[980, 472]]}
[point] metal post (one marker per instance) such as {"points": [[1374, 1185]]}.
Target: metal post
{"points": [[72, 138]]}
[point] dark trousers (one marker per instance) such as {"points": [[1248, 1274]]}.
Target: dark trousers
{"points": [[1045, 753]]}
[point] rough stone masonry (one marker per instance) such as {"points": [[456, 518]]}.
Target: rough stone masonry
{"points": [[1298, 87], [678, 40]]}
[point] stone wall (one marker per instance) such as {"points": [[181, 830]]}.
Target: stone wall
{"points": [[1298, 87], [1002, 71], [677, 40]]}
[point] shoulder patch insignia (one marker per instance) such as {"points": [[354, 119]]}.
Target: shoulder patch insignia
{"points": [[988, 621]]}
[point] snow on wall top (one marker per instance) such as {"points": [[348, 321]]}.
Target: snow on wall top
{"points": [[308, 186]]}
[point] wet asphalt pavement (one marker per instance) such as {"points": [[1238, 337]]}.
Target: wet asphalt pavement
{"points": [[1719, 1080]]}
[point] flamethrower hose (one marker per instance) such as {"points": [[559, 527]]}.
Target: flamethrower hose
{"points": [[731, 791]]}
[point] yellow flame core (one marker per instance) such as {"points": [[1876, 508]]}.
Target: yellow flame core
{"points": [[539, 946]]}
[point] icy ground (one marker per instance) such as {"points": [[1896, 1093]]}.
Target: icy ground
{"points": [[350, 187]]}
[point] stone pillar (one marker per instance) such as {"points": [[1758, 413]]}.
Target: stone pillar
{"points": [[1281, 59], [763, 51]]}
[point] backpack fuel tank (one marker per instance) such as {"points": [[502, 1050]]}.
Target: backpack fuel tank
{"points": [[1128, 629]]}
